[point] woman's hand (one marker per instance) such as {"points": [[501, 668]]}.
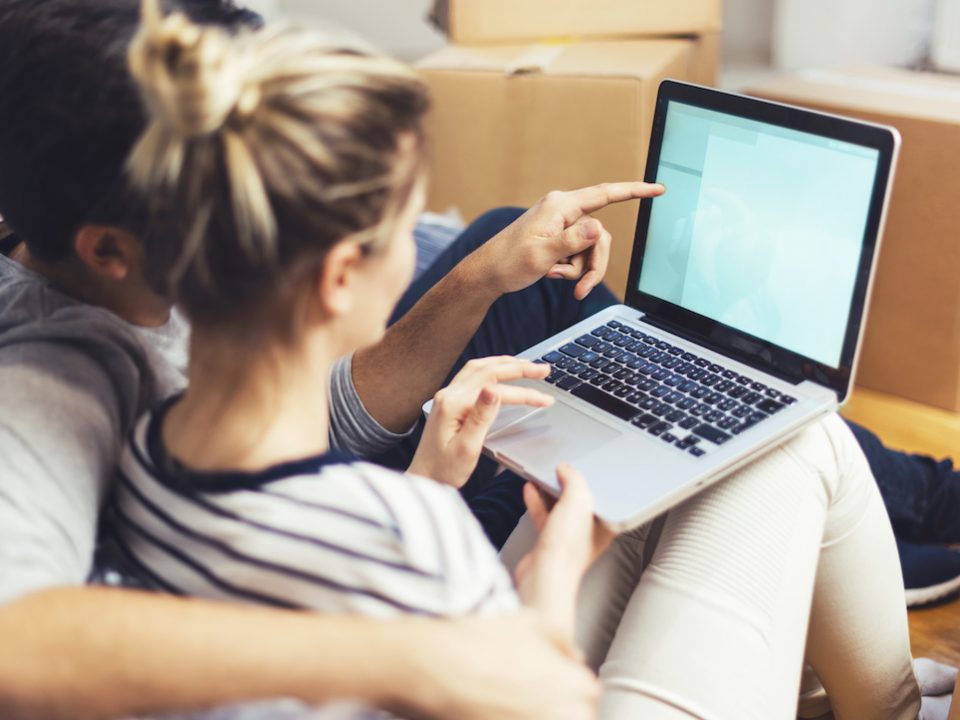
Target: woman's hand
{"points": [[464, 411], [571, 538]]}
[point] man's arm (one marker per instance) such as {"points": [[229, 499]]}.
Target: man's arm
{"points": [[91, 653], [556, 238]]}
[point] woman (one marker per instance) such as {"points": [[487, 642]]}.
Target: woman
{"points": [[286, 177]]}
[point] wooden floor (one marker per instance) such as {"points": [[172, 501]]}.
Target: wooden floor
{"points": [[904, 425]]}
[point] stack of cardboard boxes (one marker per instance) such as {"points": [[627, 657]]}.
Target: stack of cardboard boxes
{"points": [[538, 95], [912, 341]]}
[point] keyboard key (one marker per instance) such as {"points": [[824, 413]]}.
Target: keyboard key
{"points": [[623, 392], [727, 405], [674, 380], [602, 347], [710, 380], [600, 332], [661, 375], [661, 409], [588, 341], [605, 402], [742, 411], [623, 341], [670, 363], [737, 391], [659, 428], [713, 416], [714, 368], [553, 357], [701, 363], [648, 403], [635, 345], [645, 421], [727, 423], [588, 374], [661, 345], [613, 386], [634, 398], [573, 350], [769, 406], [689, 423], [699, 392], [649, 340], [614, 324], [646, 385], [576, 368], [621, 373], [599, 380], [687, 386], [708, 432], [612, 352], [675, 416], [787, 400], [746, 425], [674, 350], [743, 380], [589, 357], [689, 357], [699, 409], [673, 397], [686, 403], [729, 375], [555, 375], [647, 368], [688, 441], [713, 398], [637, 334], [772, 394], [646, 351], [751, 397], [696, 451], [599, 363], [697, 374], [569, 382], [668, 437], [723, 386], [660, 391], [757, 417], [758, 387]]}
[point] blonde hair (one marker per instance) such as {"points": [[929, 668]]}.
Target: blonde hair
{"points": [[263, 150]]}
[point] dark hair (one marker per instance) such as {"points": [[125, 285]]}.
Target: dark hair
{"points": [[71, 114], [264, 150]]}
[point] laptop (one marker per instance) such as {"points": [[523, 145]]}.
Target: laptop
{"points": [[743, 313]]}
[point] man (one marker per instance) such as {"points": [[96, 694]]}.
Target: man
{"points": [[85, 346]]}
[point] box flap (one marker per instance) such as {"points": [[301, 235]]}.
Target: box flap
{"points": [[499, 20], [589, 59], [886, 91]]}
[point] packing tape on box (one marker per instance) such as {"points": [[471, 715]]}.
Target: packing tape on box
{"points": [[537, 59], [838, 79]]}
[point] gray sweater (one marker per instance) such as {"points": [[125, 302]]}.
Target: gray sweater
{"points": [[73, 380]]}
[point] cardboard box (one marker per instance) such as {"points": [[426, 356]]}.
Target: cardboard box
{"points": [[512, 122], [483, 21], [912, 340]]}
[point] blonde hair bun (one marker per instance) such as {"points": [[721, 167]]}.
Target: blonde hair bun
{"points": [[192, 78]]}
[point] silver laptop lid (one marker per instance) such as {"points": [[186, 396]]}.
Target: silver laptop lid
{"points": [[764, 243]]}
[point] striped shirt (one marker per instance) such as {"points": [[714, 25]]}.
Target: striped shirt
{"points": [[325, 533]]}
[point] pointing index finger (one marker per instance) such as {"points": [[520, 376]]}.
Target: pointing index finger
{"points": [[590, 199]]}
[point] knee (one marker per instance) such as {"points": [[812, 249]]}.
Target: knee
{"points": [[831, 448]]}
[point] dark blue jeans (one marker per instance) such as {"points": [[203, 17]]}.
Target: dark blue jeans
{"points": [[922, 495], [514, 323]]}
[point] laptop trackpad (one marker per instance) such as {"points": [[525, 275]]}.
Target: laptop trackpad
{"points": [[551, 436]]}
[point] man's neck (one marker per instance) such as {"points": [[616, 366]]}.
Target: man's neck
{"points": [[131, 301]]}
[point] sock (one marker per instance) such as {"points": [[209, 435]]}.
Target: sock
{"points": [[934, 678]]}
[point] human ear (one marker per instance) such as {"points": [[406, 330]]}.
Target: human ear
{"points": [[107, 251], [336, 285]]}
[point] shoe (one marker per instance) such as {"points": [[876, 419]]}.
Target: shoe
{"points": [[930, 572]]}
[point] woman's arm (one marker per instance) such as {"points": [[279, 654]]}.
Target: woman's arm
{"points": [[88, 653]]}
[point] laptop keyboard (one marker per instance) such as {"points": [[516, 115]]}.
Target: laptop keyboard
{"points": [[687, 401]]}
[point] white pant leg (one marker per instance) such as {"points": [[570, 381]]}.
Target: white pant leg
{"points": [[717, 626], [717, 629]]}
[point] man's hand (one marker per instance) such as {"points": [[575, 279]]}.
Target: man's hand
{"points": [[506, 668], [464, 411], [556, 238]]}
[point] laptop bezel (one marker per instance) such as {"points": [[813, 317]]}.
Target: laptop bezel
{"points": [[749, 349]]}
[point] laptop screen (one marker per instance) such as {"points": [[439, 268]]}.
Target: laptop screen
{"points": [[761, 227]]}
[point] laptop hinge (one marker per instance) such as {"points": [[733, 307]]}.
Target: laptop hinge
{"points": [[745, 357]]}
